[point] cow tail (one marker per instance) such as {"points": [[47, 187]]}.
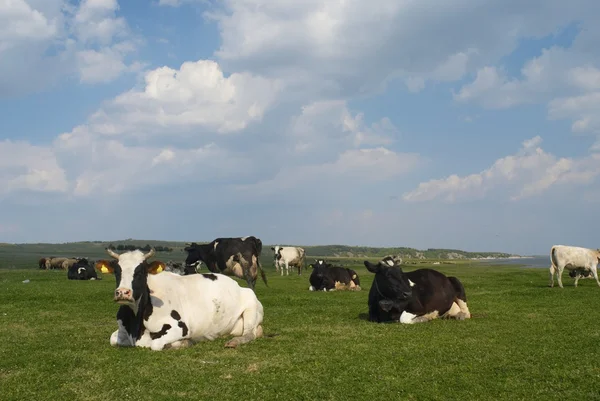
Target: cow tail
{"points": [[553, 257], [459, 288], [262, 272]]}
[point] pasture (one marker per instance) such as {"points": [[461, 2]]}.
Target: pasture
{"points": [[525, 341]]}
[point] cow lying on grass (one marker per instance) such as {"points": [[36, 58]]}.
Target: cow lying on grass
{"points": [[166, 310], [82, 270], [414, 297], [326, 277]]}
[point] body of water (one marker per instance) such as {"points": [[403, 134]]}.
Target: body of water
{"points": [[534, 261]]}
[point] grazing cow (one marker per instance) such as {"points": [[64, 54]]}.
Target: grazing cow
{"points": [[82, 270], [414, 297], [56, 263], [166, 310], [289, 256], [326, 277], [67, 263], [42, 263], [231, 256], [573, 258]]}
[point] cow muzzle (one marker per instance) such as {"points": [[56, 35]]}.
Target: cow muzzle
{"points": [[123, 296]]}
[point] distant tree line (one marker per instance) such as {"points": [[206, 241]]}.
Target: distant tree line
{"points": [[145, 248]]}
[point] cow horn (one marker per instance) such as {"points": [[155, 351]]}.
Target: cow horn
{"points": [[112, 253], [149, 254]]}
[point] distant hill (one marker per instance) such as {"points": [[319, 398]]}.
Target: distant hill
{"points": [[25, 255]]}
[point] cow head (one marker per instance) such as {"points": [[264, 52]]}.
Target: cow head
{"points": [[196, 255], [131, 273], [319, 278], [392, 285]]}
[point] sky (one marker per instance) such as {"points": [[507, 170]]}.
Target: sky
{"points": [[426, 124]]}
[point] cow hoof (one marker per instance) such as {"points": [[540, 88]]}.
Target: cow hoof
{"points": [[231, 344]]}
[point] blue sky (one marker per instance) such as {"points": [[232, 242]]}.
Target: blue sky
{"points": [[450, 124]]}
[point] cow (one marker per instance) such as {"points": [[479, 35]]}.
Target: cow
{"points": [[161, 310], [582, 274], [237, 257], [288, 256], [67, 263], [573, 258], [42, 263], [82, 270], [56, 263], [175, 267], [326, 277], [414, 297]]}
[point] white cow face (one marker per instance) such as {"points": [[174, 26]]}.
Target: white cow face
{"points": [[131, 273]]}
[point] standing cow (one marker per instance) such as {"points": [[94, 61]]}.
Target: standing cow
{"points": [[166, 310], [289, 256], [232, 256], [573, 258]]}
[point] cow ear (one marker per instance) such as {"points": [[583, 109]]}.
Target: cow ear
{"points": [[386, 305], [371, 267], [156, 267], [104, 266]]}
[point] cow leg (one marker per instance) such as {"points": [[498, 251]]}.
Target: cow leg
{"points": [[552, 272], [249, 326], [120, 337], [423, 318], [577, 277], [248, 276], [185, 343], [287, 268], [595, 273], [559, 275]]}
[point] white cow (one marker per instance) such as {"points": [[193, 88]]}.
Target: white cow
{"points": [[166, 310], [289, 256], [572, 258]]}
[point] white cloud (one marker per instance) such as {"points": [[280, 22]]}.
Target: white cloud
{"points": [[58, 39], [529, 172], [353, 47], [196, 95], [28, 167], [20, 23]]}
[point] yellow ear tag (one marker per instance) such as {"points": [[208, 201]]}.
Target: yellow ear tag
{"points": [[103, 269], [160, 268]]}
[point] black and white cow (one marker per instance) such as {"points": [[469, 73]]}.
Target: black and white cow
{"points": [[82, 270], [231, 256], [286, 256], [166, 310], [413, 297], [326, 277]]}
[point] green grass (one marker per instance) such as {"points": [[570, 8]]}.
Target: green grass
{"points": [[526, 341]]}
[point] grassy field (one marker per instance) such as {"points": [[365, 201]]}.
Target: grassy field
{"points": [[526, 341]]}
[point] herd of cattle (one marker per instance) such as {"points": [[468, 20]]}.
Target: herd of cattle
{"points": [[180, 306]]}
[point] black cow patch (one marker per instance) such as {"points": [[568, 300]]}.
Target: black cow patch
{"points": [[184, 328], [161, 333], [210, 276], [175, 315]]}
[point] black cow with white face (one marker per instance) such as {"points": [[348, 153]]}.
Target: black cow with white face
{"points": [[414, 297], [231, 256], [326, 277], [82, 270]]}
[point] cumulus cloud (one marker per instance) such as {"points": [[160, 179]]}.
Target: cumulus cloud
{"points": [[354, 47], [58, 39], [27, 167], [529, 172]]}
